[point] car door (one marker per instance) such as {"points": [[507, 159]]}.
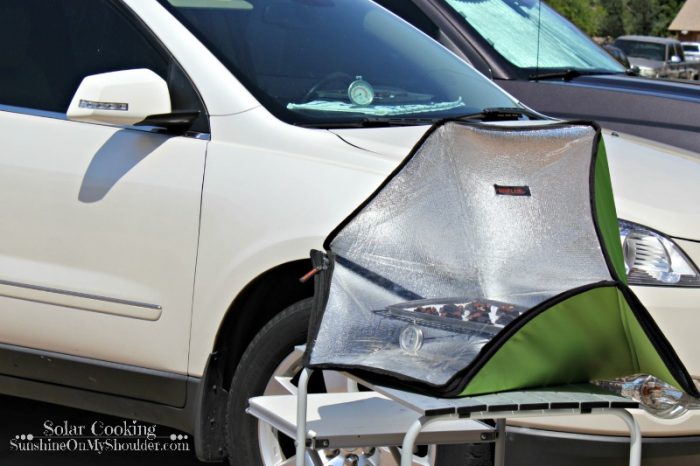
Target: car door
{"points": [[99, 224], [676, 69], [684, 69]]}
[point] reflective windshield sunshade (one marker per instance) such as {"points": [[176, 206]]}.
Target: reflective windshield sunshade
{"points": [[490, 260]]}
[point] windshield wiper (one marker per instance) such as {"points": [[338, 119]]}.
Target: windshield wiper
{"points": [[370, 122], [504, 114], [567, 74], [487, 114]]}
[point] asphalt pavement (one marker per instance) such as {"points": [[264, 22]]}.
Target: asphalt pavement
{"points": [[33, 433]]}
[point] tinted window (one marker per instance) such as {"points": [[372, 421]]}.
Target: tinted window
{"points": [[678, 51], [691, 48], [648, 50], [49, 46]]}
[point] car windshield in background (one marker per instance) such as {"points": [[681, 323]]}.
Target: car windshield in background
{"points": [[513, 29], [646, 50], [326, 61]]}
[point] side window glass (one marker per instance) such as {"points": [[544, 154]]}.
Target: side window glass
{"points": [[679, 52], [411, 13], [49, 46]]}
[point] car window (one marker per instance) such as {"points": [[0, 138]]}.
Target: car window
{"points": [[647, 50], [691, 48], [49, 46], [678, 51], [322, 61], [530, 34]]}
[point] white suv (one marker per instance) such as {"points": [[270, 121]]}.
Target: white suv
{"points": [[691, 51], [166, 166]]}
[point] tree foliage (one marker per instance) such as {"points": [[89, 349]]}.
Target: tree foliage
{"points": [[613, 18], [586, 14]]}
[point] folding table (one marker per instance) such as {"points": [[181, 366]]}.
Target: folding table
{"points": [[391, 417]]}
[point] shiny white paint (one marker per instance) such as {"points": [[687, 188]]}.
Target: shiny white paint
{"points": [[143, 92], [267, 204], [655, 185], [101, 211]]}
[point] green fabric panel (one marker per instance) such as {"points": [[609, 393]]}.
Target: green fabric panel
{"points": [[647, 357], [606, 214], [586, 337]]}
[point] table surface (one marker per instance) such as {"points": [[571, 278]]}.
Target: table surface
{"points": [[574, 398], [359, 419]]}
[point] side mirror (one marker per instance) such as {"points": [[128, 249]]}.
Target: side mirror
{"points": [[675, 59], [120, 98]]}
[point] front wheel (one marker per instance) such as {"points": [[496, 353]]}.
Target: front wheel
{"points": [[270, 366]]}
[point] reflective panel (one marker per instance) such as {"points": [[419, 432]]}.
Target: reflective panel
{"points": [[478, 227]]}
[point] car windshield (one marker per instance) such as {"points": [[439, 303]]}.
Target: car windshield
{"points": [[647, 50], [325, 61], [531, 35]]}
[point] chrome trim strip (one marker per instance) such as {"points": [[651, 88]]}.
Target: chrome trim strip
{"points": [[81, 295], [33, 112], [62, 116]]}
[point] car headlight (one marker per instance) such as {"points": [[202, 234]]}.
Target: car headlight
{"points": [[654, 259], [646, 71]]}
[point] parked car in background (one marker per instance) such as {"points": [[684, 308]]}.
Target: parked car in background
{"points": [[618, 55], [567, 75], [691, 51], [656, 57], [166, 166]]}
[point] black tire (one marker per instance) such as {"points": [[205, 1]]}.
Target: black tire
{"points": [[270, 346]]}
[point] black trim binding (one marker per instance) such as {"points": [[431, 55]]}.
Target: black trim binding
{"points": [[322, 291], [377, 279], [456, 384], [594, 210]]}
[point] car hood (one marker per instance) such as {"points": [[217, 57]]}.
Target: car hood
{"points": [[645, 62], [640, 85], [655, 185]]}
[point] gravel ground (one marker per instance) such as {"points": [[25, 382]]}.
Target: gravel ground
{"points": [[19, 417]]}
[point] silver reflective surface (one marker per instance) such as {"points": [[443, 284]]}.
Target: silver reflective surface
{"points": [[487, 223]]}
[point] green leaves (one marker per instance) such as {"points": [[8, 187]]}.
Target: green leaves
{"points": [[613, 18]]}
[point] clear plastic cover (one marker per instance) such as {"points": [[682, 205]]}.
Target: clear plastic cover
{"points": [[478, 227]]}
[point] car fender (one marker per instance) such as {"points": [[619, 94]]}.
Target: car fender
{"points": [[266, 205]]}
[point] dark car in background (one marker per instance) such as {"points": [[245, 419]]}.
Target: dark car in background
{"points": [[657, 57], [618, 55], [550, 65]]}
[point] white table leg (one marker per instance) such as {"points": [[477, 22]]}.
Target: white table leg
{"points": [[302, 390], [409, 440], [500, 447], [635, 435]]}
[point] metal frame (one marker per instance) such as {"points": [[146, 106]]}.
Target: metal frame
{"points": [[302, 451]]}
